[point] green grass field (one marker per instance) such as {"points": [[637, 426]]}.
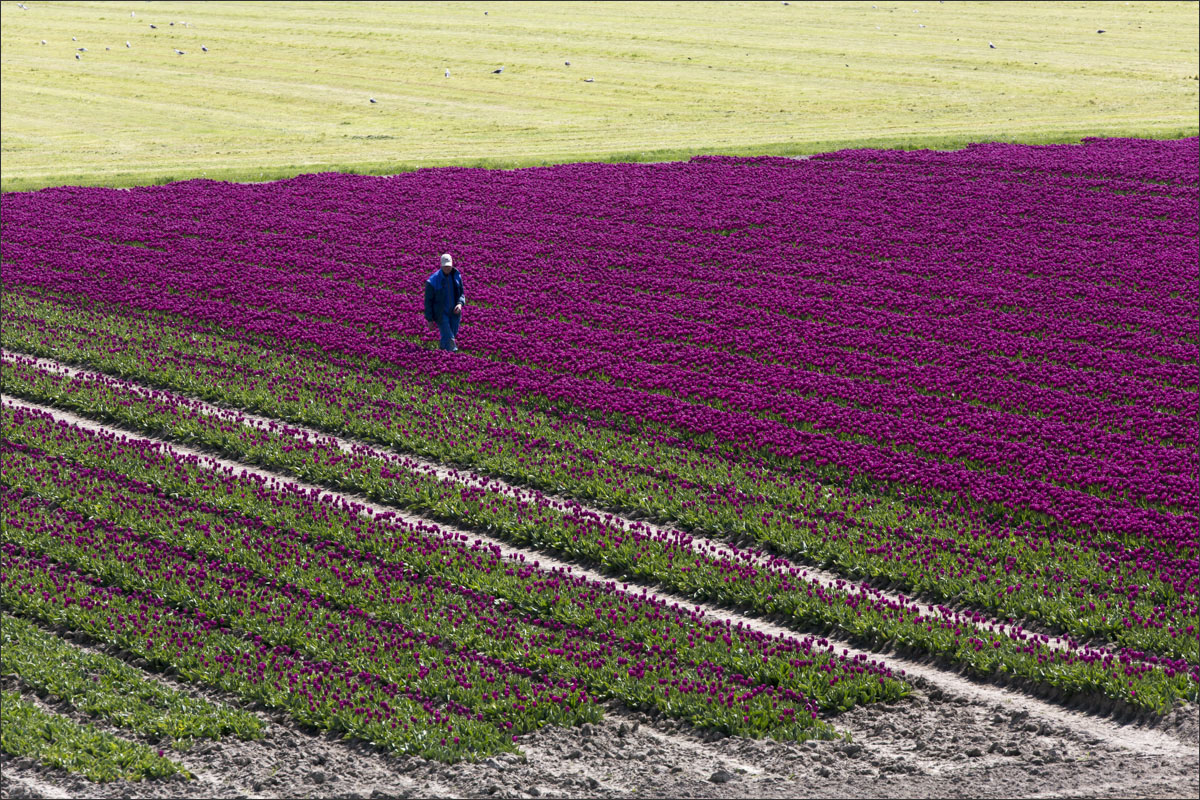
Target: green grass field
{"points": [[284, 87]]}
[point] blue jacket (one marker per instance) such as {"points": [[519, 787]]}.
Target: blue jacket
{"points": [[442, 294]]}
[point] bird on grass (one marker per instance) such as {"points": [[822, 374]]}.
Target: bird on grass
{"points": [[589, 80], [203, 49], [568, 63], [155, 27], [22, 6], [447, 73], [497, 71], [81, 49], [108, 48], [1099, 31], [127, 44], [43, 41], [373, 100], [133, 13], [77, 57], [73, 39], [991, 45], [180, 53]]}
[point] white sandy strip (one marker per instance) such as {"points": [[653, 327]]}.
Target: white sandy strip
{"points": [[1136, 738], [700, 544]]}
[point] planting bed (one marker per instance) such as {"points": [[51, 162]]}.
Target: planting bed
{"points": [[936, 406]]}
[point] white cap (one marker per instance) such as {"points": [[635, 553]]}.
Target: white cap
{"points": [[446, 260]]}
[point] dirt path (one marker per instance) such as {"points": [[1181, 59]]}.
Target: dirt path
{"points": [[955, 737]]}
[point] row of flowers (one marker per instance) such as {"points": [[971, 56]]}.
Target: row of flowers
{"points": [[1140, 594], [723, 574], [346, 605], [802, 413]]}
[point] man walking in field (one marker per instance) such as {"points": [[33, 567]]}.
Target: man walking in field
{"points": [[444, 299]]}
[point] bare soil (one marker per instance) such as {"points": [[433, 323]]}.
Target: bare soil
{"points": [[921, 747]]}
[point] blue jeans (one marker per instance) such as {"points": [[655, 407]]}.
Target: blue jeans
{"points": [[448, 325]]}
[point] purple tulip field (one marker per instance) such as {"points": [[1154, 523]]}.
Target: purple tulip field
{"points": [[944, 405]]}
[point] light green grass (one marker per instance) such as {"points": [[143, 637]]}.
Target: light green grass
{"points": [[285, 87]]}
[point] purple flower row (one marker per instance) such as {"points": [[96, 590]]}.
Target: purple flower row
{"points": [[930, 313], [1103, 577], [676, 647], [750, 574]]}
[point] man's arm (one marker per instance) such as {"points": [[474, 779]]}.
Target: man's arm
{"points": [[428, 301]]}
